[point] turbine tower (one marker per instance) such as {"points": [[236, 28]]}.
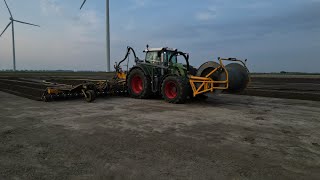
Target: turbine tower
{"points": [[107, 35], [12, 20]]}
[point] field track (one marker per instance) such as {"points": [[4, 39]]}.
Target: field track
{"points": [[30, 85], [306, 88], [21, 87], [226, 136]]}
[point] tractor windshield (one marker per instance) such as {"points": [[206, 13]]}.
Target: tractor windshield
{"points": [[153, 56]]}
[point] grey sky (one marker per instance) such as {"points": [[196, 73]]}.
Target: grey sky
{"points": [[272, 35]]}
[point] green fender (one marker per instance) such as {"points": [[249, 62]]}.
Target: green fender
{"points": [[178, 69]]}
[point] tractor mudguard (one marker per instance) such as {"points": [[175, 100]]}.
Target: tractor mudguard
{"points": [[179, 68], [145, 70]]}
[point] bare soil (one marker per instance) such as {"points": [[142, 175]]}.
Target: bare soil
{"points": [[225, 137], [291, 87]]}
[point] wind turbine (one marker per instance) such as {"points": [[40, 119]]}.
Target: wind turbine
{"points": [[107, 35], [12, 20]]}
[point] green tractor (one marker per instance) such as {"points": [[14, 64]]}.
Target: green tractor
{"points": [[160, 73]]}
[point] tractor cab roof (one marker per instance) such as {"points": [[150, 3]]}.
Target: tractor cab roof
{"points": [[159, 49]]}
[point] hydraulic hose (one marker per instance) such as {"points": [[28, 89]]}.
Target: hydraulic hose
{"points": [[126, 56]]}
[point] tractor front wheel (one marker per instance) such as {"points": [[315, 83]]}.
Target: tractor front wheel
{"points": [[175, 89], [139, 85]]}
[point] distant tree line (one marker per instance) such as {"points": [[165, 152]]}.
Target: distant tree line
{"points": [[288, 73]]}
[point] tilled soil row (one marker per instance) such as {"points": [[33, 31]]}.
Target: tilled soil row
{"points": [[22, 88], [291, 88]]}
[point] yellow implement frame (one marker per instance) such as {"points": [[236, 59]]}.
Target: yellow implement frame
{"points": [[122, 75], [207, 84]]}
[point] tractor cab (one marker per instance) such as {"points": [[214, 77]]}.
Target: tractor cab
{"points": [[160, 56]]}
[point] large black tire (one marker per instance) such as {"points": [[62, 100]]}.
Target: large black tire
{"points": [[206, 68], [175, 89], [139, 85], [238, 77], [91, 95]]}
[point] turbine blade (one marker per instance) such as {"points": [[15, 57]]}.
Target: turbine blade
{"points": [[8, 8], [5, 28], [83, 4], [25, 23]]}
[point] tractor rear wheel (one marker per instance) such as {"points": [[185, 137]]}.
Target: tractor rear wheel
{"points": [[139, 85], [175, 89]]}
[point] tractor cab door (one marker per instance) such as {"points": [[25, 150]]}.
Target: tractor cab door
{"points": [[166, 56]]}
